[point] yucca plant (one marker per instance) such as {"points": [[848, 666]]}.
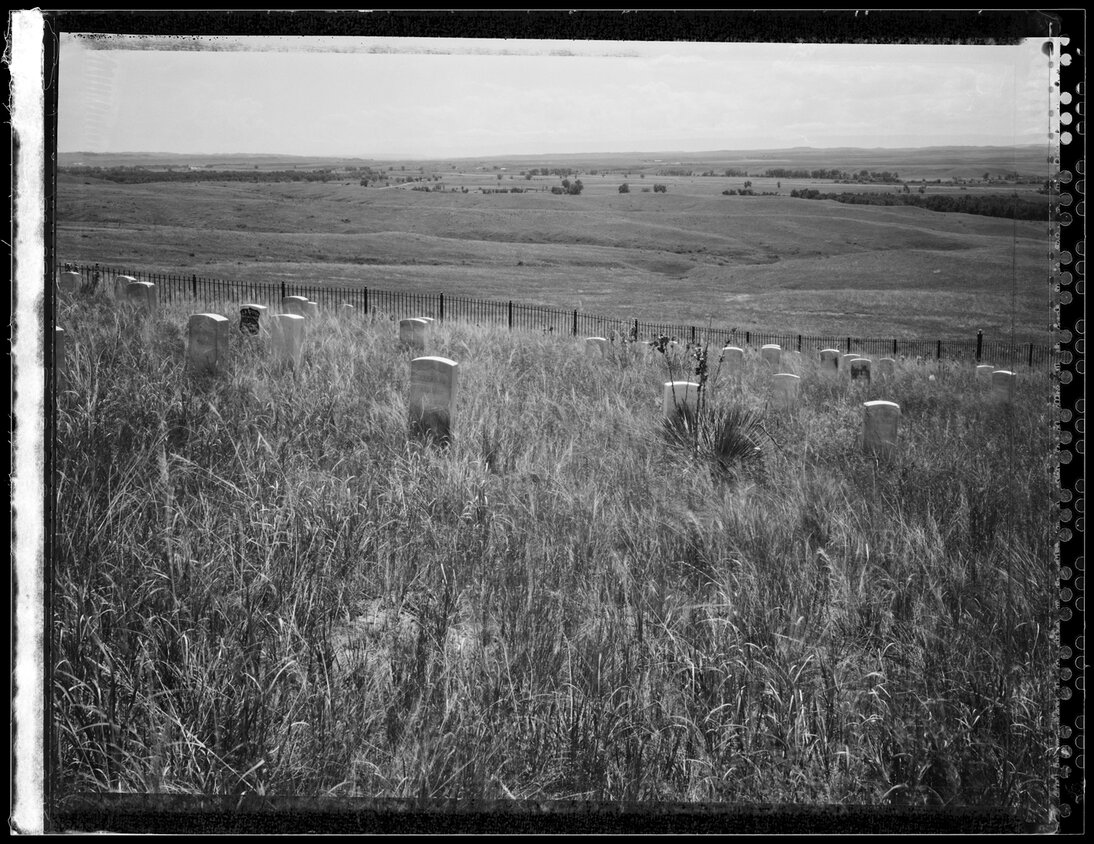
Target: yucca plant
{"points": [[730, 439]]}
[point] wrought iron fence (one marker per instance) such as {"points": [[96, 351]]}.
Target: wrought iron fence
{"points": [[212, 292]]}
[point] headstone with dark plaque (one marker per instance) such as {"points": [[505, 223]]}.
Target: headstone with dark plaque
{"points": [[251, 317]]}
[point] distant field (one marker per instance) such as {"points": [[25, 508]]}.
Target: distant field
{"points": [[691, 254]]}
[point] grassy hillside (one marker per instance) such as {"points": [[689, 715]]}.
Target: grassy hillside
{"points": [[689, 255], [261, 585]]}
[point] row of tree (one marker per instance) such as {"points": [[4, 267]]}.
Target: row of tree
{"points": [[140, 175], [1011, 206], [883, 177]]}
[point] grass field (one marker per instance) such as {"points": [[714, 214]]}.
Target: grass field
{"points": [[263, 586], [690, 255]]}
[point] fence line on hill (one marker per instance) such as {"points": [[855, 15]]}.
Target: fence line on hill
{"points": [[212, 292]]}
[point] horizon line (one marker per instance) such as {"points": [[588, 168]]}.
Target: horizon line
{"points": [[411, 157]]}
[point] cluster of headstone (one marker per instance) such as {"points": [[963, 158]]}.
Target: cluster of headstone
{"points": [[434, 379], [881, 417]]}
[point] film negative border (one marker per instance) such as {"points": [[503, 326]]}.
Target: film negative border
{"points": [[1069, 276]]}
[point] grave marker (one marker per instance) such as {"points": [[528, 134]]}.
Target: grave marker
{"points": [[121, 283], [252, 317], [734, 358], [596, 347], [294, 305], [414, 332], [880, 428], [845, 362], [433, 382], [984, 372], [829, 362], [288, 337], [772, 353], [1002, 386], [143, 294], [886, 368], [311, 309], [860, 370], [785, 390], [207, 350], [680, 399]]}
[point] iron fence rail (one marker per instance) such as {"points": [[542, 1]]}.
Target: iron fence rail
{"points": [[210, 293]]}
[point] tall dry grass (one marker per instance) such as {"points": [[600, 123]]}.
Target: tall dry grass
{"points": [[262, 585]]}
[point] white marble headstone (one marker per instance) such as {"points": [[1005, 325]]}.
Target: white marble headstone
{"points": [[733, 358], [784, 393], [433, 384], [860, 369], [121, 284], [1002, 386], [772, 353], [288, 337], [680, 398], [294, 305], [886, 368], [207, 350], [829, 362], [983, 372], [143, 294], [880, 428], [414, 332]]}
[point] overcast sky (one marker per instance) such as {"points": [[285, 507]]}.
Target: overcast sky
{"points": [[435, 98]]}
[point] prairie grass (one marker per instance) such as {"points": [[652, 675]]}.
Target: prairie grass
{"points": [[262, 584]]}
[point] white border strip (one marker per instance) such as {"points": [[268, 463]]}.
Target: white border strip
{"points": [[28, 405]]}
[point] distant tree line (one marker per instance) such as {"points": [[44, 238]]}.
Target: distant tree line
{"points": [[1012, 207], [884, 177], [550, 171], [139, 175]]}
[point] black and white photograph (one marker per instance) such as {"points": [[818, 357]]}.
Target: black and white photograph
{"points": [[578, 421]]}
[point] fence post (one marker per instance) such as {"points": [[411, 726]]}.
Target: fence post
{"points": [[441, 314], [635, 333], [848, 345], [575, 322], [194, 282], [1031, 356], [510, 314], [799, 342], [939, 354], [748, 338], [894, 347], [366, 301], [979, 343]]}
